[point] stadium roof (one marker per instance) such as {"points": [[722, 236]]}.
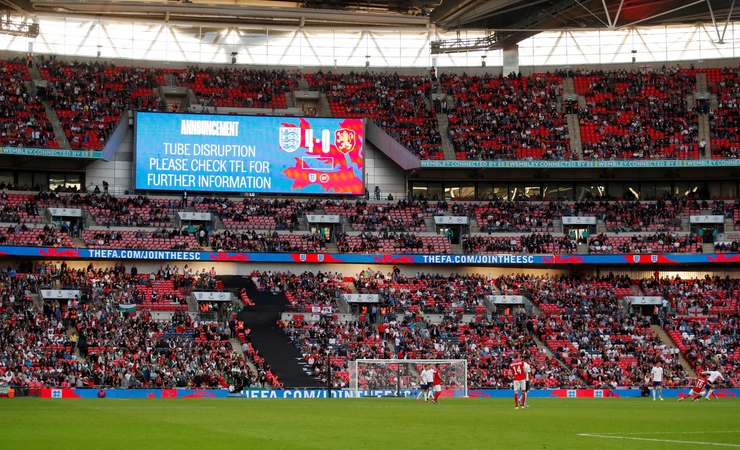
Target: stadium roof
{"points": [[529, 16], [509, 21]]}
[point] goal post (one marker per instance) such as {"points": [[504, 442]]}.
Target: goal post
{"points": [[400, 377]]}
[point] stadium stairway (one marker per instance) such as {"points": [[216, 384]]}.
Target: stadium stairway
{"points": [[267, 338]]}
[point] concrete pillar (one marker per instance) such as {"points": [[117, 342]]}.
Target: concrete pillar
{"points": [[511, 59]]}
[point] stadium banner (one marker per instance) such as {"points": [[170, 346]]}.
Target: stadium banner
{"points": [[50, 152], [707, 219], [506, 299], [65, 212], [645, 300], [195, 216], [132, 393], [251, 154], [451, 220], [50, 294], [362, 298], [625, 164], [212, 296], [323, 218], [357, 258], [65, 393], [577, 220]]}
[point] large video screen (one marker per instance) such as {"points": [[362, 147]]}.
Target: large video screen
{"points": [[259, 154]]}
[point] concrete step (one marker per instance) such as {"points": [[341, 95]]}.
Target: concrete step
{"points": [[56, 125], [443, 126], [351, 286], [323, 109], [79, 243], [303, 84], [574, 132], [569, 87]]}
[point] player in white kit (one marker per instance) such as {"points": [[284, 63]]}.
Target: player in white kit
{"points": [[657, 374], [712, 377]]}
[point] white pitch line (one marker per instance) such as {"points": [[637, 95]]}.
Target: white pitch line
{"points": [[606, 436], [671, 432]]}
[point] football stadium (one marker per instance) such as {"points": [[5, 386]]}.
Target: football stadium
{"points": [[369, 223]]}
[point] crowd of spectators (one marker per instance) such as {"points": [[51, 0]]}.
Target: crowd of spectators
{"points": [[47, 236], [304, 291], [252, 241], [256, 213], [638, 114], [532, 244], [90, 97], [108, 210], [427, 292], [708, 345], [238, 87], [516, 216], [338, 342], [725, 118], [396, 103], [23, 120], [392, 242], [496, 117], [400, 217], [655, 243], [701, 295], [159, 238], [123, 350]]}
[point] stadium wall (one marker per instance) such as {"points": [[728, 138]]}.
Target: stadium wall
{"points": [[119, 172]]}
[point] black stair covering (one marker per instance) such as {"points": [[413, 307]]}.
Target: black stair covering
{"points": [[285, 360]]}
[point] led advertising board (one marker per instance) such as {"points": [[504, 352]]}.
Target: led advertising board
{"points": [[256, 154]]}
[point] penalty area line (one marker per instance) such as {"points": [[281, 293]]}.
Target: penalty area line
{"points": [[607, 436]]}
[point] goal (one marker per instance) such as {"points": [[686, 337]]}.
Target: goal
{"points": [[400, 377]]}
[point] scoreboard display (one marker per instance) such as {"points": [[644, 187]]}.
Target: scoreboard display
{"points": [[255, 154]]}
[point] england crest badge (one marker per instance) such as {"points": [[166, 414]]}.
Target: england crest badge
{"points": [[312, 177], [290, 138]]}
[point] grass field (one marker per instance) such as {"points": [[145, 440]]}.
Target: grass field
{"points": [[369, 423]]}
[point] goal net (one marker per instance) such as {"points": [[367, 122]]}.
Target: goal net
{"points": [[401, 377]]}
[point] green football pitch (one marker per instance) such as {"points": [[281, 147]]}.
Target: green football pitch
{"points": [[369, 423]]}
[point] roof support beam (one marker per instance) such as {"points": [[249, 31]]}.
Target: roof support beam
{"points": [[608, 17], [619, 10], [663, 13], [595, 16], [720, 36]]}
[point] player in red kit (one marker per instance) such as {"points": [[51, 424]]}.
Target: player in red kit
{"points": [[697, 391], [437, 382], [519, 371]]}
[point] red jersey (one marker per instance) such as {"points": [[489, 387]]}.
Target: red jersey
{"points": [[699, 384], [437, 379], [517, 370]]}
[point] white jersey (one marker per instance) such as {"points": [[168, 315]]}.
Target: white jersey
{"points": [[657, 373], [713, 375], [424, 376], [429, 376]]}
